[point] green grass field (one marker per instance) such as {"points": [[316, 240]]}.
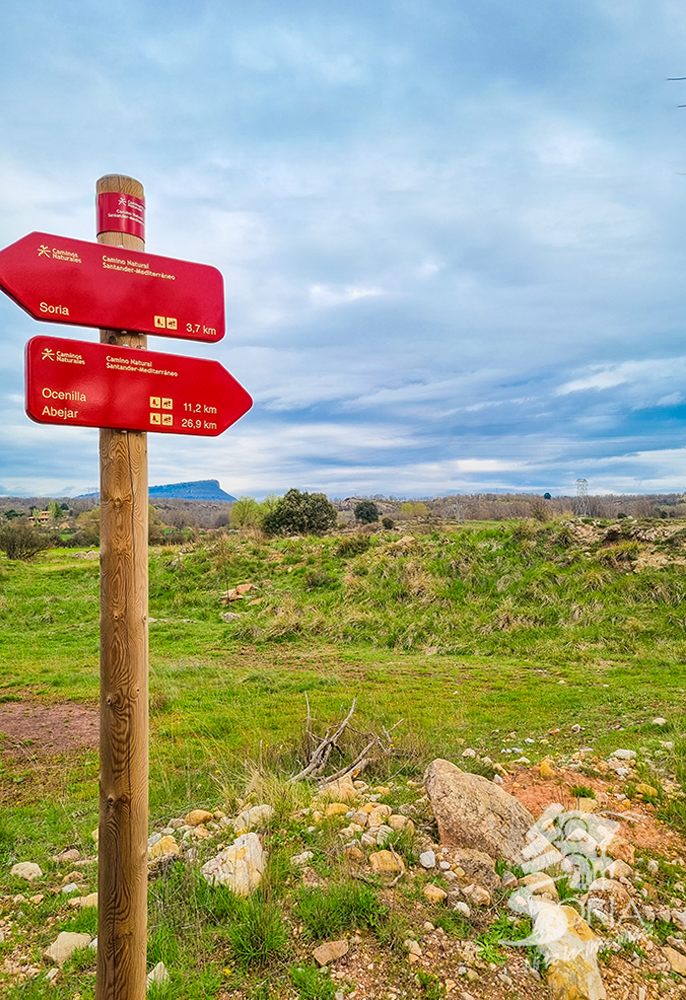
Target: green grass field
{"points": [[466, 634]]}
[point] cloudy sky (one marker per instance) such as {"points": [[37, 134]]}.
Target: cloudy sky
{"points": [[452, 232]]}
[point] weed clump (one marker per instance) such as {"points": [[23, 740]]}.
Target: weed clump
{"points": [[342, 906]]}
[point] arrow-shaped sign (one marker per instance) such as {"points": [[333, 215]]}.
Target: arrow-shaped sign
{"points": [[97, 385], [88, 284]]}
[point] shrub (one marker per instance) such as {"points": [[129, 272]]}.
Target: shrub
{"points": [[388, 522], [366, 512], [311, 984], [353, 545], [21, 541], [258, 934], [340, 907], [301, 514]]}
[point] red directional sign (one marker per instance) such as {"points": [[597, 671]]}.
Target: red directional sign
{"points": [[98, 385], [88, 284]]}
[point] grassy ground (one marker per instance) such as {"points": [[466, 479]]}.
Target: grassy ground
{"points": [[466, 634]]}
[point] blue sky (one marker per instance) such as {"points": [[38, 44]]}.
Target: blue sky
{"points": [[451, 232]]}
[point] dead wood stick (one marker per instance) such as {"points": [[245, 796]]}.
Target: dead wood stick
{"points": [[321, 754]]}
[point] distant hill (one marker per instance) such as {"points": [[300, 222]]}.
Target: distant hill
{"points": [[202, 489]]}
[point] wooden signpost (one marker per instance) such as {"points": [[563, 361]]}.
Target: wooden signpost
{"points": [[125, 390]]}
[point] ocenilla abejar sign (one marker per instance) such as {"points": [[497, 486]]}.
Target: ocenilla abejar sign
{"points": [[99, 385]]}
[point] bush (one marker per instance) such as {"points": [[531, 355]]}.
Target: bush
{"points": [[340, 907], [300, 514], [258, 934], [366, 512], [21, 541], [388, 523], [245, 513], [352, 545]]}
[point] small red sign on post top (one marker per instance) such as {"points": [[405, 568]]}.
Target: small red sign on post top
{"points": [[98, 385], [89, 284], [121, 213]]}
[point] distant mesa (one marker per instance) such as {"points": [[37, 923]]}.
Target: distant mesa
{"points": [[202, 489]]}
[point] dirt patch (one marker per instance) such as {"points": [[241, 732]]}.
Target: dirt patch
{"points": [[641, 828], [27, 728]]}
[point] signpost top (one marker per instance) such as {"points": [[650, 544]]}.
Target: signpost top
{"points": [[62, 280]]}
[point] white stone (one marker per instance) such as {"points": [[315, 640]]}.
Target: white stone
{"points": [[299, 860], [624, 754], [239, 866], [64, 945], [26, 869], [251, 819], [427, 859], [659, 721], [158, 975]]}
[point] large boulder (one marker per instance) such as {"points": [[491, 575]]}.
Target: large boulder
{"points": [[472, 811]]}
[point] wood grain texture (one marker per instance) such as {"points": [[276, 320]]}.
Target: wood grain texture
{"points": [[123, 837]]}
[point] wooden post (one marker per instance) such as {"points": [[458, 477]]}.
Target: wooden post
{"points": [[123, 831]]}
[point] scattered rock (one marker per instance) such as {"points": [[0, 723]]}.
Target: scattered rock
{"points": [[646, 791], [336, 809], [473, 812], [397, 822], [540, 884], [341, 790], [330, 951], [83, 901], [26, 869], [158, 975], [64, 945], [70, 854], [300, 860], [677, 960], [624, 754], [621, 850], [386, 861], [618, 869], [255, 818], [427, 859], [434, 894], [616, 899], [197, 816], [239, 866], [546, 770], [477, 895], [571, 947], [164, 846], [475, 866]]}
